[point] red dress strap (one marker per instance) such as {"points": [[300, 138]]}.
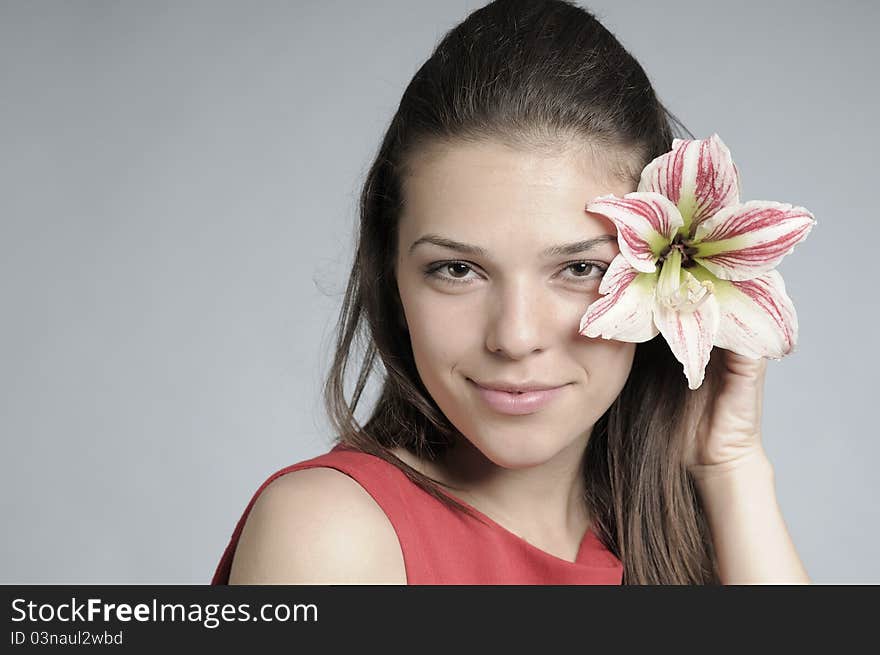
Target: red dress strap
{"points": [[383, 481], [443, 546]]}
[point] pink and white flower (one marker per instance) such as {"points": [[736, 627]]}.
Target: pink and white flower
{"points": [[695, 264]]}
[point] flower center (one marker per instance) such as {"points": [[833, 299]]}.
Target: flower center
{"points": [[678, 289], [687, 251]]}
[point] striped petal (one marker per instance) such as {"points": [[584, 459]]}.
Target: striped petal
{"points": [[699, 176], [690, 335], [646, 223], [758, 318], [625, 312], [744, 241]]}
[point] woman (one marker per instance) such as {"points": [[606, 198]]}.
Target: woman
{"points": [[475, 263]]}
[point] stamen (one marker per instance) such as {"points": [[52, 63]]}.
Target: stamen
{"points": [[694, 306]]}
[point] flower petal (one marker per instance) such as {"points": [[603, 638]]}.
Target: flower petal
{"points": [[699, 176], [758, 318], [625, 312], [744, 241], [646, 223], [690, 335]]}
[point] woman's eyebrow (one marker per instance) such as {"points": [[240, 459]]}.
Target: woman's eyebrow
{"points": [[553, 251]]}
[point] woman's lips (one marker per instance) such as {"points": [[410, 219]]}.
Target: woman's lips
{"points": [[514, 403]]}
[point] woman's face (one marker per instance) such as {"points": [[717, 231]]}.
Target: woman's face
{"points": [[511, 312]]}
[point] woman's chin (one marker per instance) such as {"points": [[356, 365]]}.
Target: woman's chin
{"points": [[515, 455]]}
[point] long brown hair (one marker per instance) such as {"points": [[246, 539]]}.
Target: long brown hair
{"points": [[533, 74]]}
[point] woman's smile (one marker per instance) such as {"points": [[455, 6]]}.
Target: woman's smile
{"points": [[516, 402]]}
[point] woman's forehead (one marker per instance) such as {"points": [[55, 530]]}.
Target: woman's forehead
{"points": [[497, 187], [489, 163]]}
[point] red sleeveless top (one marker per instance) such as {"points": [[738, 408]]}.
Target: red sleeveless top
{"points": [[441, 545]]}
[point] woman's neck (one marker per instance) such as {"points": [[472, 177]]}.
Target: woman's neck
{"points": [[543, 504]]}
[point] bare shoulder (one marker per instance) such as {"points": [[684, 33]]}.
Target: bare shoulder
{"points": [[317, 526]]}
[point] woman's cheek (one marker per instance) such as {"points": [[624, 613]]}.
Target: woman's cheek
{"points": [[609, 361]]}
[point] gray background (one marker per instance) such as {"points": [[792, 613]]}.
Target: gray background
{"points": [[178, 186]]}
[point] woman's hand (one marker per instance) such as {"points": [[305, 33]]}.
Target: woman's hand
{"points": [[735, 480], [728, 433]]}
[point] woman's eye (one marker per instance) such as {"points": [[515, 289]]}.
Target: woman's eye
{"points": [[456, 267], [457, 271], [593, 270]]}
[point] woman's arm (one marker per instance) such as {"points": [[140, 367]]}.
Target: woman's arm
{"points": [[751, 540]]}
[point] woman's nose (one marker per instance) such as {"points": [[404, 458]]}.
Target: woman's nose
{"points": [[520, 320]]}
